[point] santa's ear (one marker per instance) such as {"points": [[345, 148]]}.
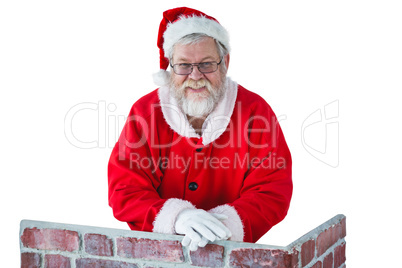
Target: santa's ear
{"points": [[226, 58]]}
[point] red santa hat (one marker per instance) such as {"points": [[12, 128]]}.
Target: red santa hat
{"points": [[179, 22]]}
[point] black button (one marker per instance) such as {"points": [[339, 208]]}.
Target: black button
{"points": [[193, 186], [198, 149]]}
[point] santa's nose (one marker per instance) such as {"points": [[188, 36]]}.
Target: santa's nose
{"points": [[196, 74]]}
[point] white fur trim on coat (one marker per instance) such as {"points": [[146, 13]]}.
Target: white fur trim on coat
{"points": [[233, 223], [216, 122], [166, 218], [194, 24]]}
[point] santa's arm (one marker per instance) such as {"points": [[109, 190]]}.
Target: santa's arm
{"points": [[265, 196], [133, 187]]}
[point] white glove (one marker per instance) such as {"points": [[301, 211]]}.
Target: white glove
{"points": [[199, 227]]}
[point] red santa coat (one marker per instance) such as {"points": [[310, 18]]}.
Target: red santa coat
{"points": [[240, 166]]}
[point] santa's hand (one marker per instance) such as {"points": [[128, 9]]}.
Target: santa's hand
{"points": [[222, 218], [193, 244], [199, 227]]}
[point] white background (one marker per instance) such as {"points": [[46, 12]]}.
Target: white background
{"points": [[299, 55]]}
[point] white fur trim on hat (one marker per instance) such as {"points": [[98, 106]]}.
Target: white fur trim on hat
{"points": [[194, 24], [161, 78], [166, 218], [233, 223]]}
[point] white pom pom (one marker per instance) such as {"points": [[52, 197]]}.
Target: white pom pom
{"points": [[161, 78]]}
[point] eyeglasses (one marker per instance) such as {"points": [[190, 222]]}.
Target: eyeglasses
{"points": [[203, 67]]}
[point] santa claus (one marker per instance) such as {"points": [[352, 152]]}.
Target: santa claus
{"points": [[201, 156]]}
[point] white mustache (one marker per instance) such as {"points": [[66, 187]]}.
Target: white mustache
{"points": [[196, 84]]}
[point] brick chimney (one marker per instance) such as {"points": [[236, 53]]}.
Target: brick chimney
{"points": [[46, 244]]}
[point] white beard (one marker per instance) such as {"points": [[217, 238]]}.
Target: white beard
{"points": [[198, 104]]}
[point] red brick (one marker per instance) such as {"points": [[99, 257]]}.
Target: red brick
{"points": [[317, 265], [100, 245], [57, 261], [210, 256], [248, 257], [162, 250], [330, 236], [340, 255], [307, 252], [291, 260], [30, 260], [99, 263], [343, 227], [50, 239], [328, 261]]}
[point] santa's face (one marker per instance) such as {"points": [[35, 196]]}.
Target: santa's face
{"points": [[198, 93]]}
